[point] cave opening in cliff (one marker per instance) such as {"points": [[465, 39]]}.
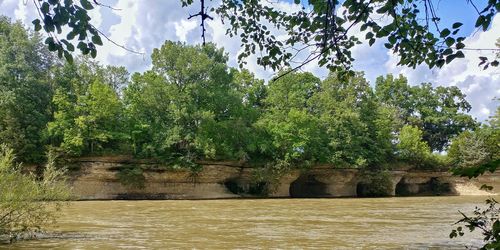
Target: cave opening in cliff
{"points": [[402, 188], [240, 187], [306, 186], [433, 186]]}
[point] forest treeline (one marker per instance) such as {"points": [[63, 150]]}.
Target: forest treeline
{"points": [[190, 105]]}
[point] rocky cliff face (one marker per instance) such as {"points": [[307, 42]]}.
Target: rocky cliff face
{"points": [[107, 178]]}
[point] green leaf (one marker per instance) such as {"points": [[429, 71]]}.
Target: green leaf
{"points": [[36, 22], [457, 25], [97, 40], [440, 63], [68, 56], [45, 8], [82, 46], [447, 51], [86, 4], [449, 41], [479, 21], [71, 35], [52, 47], [371, 42], [450, 58], [445, 33], [392, 39], [460, 54], [93, 53], [69, 46]]}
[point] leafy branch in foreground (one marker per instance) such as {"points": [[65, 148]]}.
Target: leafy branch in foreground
{"points": [[54, 15], [326, 31], [484, 220], [322, 31], [475, 153]]}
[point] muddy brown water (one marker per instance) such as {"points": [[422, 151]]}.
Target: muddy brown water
{"points": [[381, 223]]}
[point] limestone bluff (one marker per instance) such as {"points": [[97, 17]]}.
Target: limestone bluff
{"points": [[96, 178]]}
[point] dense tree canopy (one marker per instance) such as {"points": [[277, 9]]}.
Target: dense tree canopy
{"points": [[192, 106], [191, 103], [24, 89], [441, 112], [351, 115]]}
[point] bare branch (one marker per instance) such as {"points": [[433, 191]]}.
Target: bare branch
{"points": [[203, 14]]}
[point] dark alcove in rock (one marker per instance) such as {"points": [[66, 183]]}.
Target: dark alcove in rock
{"points": [[306, 186]]}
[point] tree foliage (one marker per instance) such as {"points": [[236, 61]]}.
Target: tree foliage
{"points": [[25, 91], [322, 29], [192, 106], [88, 113], [294, 130], [440, 112], [485, 221], [411, 146], [27, 204], [474, 153], [353, 121]]}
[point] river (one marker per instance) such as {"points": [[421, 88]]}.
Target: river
{"points": [[380, 223]]}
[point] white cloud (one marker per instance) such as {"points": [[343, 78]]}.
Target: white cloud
{"points": [[142, 27], [183, 27], [8, 7]]}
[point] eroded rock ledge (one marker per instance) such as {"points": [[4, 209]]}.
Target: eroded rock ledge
{"points": [[97, 179]]}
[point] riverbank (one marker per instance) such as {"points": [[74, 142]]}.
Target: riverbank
{"points": [[110, 178]]}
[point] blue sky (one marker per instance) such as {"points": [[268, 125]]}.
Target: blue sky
{"points": [[145, 24]]}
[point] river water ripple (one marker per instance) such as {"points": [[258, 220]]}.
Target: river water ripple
{"points": [[382, 223]]}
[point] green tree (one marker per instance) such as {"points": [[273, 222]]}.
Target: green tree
{"points": [[356, 124], [469, 149], [189, 105], [441, 112], [95, 121], [295, 131], [88, 114], [474, 153], [254, 90], [25, 92], [411, 146], [396, 92]]}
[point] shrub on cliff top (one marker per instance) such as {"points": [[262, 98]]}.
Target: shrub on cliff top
{"points": [[375, 184]]}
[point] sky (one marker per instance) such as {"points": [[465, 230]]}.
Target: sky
{"points": [[143, 25]]}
